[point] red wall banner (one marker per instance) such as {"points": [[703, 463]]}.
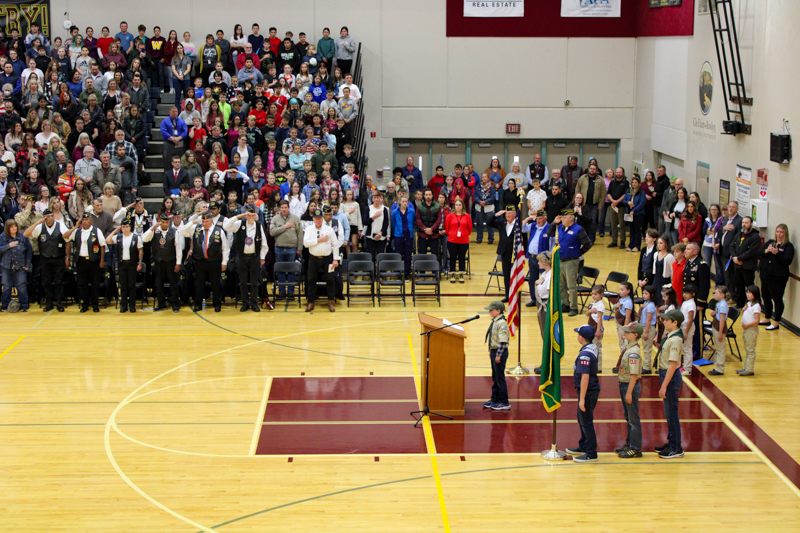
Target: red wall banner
{"points": [[543, 19]]}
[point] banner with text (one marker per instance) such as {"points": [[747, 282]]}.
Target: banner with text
{"points": [[20, 16], [591, 8], [510, 8], [743, 182]]}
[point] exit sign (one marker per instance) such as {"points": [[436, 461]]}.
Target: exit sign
{"points": [[512, 127]]}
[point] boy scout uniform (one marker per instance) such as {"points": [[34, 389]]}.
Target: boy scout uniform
{"points": [[630, 364], [498, 336], [671, 350]]}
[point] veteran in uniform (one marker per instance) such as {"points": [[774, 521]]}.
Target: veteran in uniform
{"points": [[498, 336]]}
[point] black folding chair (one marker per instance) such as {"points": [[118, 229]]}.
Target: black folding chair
{"points": [[293, 267], [496, 275], [708, 333], [391, 280], [425, 282], [585, 291], [615, 278], [360, 281]]}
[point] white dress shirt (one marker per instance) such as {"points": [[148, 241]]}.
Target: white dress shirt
{"points": [[311, 237], [83, 251], [234, 224], [37, 230], [150, 233], [126, 246], [187, 230]]}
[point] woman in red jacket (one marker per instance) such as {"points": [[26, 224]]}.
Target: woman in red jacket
{"points": [[458, 227], [691, 225]]}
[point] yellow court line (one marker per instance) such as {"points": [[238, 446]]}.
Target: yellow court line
{"points": [[11, 347], [260, 419], [742, 436], [429, 442]]}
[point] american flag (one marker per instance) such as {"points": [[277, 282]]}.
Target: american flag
{"points": [[517, 279]]}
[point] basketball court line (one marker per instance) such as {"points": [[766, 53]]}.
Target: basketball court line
{"points": [[430, 443], [260, 419], [111, 422], [565, 464], [11, 347], [736, 431]]}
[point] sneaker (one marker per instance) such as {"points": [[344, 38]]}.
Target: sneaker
{"points": [[747, 374], [740, 371], [461, 278], [662, 448], [574, 451], [585, 458], [452, 277], [630, 453], [3, 309], [501, 406], [772, 328], [488, 405], [621, 448], [670, 454], [715, 373]]}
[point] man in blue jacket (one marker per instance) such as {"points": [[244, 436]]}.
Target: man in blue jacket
{"points": [[413, 176], [403, 218], [174, 132], [538, 241]]}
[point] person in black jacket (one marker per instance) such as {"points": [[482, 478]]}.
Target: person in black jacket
{"points": [[776, 256], [744, 255], [288, 55], [504, 222], [555, 203], [727, 236]]}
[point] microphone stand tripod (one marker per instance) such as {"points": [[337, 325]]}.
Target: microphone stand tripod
{"points": [[425, 410]]}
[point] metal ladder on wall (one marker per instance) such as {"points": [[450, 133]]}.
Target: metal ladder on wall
{"points": [[730, 65]]}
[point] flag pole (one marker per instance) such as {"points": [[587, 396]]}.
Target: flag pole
{"points": [[519, 370], [554, 454]]}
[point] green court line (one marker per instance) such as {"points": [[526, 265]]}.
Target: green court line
{"points": [[316, 351], [565, 464], [42, 320], [300, 349]]}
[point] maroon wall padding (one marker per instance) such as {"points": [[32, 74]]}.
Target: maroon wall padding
{"points": [[543, 19]]}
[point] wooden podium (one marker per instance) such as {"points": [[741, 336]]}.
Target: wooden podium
{"points": [[446, 369]]}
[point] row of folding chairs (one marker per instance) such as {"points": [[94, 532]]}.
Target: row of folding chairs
{"points": [[366, 280]]}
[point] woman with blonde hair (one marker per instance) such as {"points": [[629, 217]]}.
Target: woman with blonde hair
{"points": [[111, 202], [57, 207], [776, 257]]}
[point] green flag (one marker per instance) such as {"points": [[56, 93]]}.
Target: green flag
{"points": [[553, 349]]}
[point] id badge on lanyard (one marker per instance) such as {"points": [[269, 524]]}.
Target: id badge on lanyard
{"points": [[458, 234]]}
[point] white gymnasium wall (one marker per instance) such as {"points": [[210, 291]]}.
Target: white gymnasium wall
{"points": [[417, 82], [771, 71]]}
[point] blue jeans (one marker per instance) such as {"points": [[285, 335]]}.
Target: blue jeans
{"points": [[588, 442], [18, 279], [671, 409], [488, 218], [499, 386], [180, 86], [285, 255], [634, 438]]}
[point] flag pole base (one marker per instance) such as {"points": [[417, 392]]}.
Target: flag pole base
{"points": [[553, 454], [518, 370]]}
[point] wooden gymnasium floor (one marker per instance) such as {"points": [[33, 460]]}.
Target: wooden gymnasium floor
{"points": [[285, 421]]}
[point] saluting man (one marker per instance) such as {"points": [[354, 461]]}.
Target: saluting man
{"points": [[323, 248], [90, 252], [498, 336], [251, 247], [129, 254], [697, 272], [210, 250], [167, 251]]}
